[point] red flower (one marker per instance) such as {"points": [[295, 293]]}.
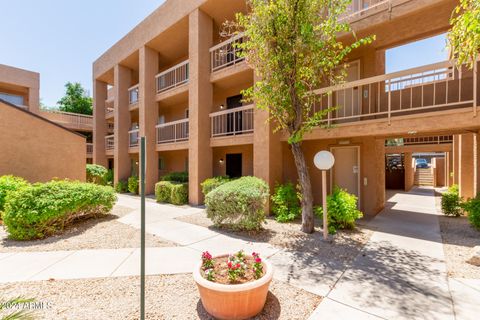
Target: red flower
{"points": [[258, 260], [229, 264]]}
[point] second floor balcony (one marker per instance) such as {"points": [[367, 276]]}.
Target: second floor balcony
{"points": [[133, 138], [174, 131], [173, 77], [89, 150], [69, 120], [435, 87], [110, 143], [232, 122]]}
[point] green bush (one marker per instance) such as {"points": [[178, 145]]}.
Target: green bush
{"points": [[472, 208], [44, 209], [211, 183], [163, 191], [342, 210], [9, 184], [451, 202], [96, 174], [286, 202], [176, 177], [238, 204], [179, 194], [109, 178], [121, 187], [171, 192], [133, 184]]}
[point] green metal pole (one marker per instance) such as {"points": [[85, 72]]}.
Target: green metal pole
{"points": [[142, 241]]}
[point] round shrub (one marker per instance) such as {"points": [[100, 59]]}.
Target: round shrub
{"points": [[238, 204], [472, 207], [342, 210], [212, 183], [96, 174], [163, 191], [286, 202], [176, 177], [451, 202], [43, 209], [133, 184], [9, 184]]}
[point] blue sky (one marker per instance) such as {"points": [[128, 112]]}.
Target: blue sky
{"points": [[60, 39]]}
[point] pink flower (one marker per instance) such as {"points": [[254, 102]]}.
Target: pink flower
{"points": [[206, 255], [258, 260]]}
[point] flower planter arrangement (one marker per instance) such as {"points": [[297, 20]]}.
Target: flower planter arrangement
{"points": [[233, 286]]}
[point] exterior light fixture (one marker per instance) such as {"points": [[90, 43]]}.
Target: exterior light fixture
{"points": [[222, 107], [220, 161], [324, 161], [412, 132]]}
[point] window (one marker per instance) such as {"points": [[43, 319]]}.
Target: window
{"points": [[161, 163], [12, 98]]}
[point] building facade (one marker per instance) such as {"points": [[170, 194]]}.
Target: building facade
{"points": [[174, 80], [22, 88]]}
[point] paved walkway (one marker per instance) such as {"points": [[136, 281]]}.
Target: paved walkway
{"points": [[401, 273]]}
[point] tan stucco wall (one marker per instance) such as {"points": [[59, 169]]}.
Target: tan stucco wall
{"points": [[15, 80], [38, 150]]}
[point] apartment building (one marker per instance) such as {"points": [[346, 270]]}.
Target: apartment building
{"points": [[176, 81], [22, 88]]}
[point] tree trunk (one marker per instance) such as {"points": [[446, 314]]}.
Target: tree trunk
{"points": [[306, 188]]}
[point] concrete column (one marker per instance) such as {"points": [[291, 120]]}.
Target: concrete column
{"points": [[267, 151], [466, 165], [99, 123], [122, 80], [200, 102], [455, 158], [448, 169], [380, 168], [148, 113], [409, 170]]}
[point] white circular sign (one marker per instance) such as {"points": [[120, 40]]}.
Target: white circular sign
{"points": [[324, 160]]}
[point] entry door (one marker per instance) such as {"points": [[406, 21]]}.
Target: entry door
{"points": [[346, 170], [234, 120], [234, 165], [348, 100]]}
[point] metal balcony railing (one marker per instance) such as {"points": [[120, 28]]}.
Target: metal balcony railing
{"points": [[173, 131], [110, 142], [173, 77], [68, 119], [428, 88], [89, 149], [226, 54], [232, 122], [133, 137], [359, 8], [133, 94]]}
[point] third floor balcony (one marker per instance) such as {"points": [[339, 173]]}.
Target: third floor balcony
{"points": [[227, 53], [173, 77]]}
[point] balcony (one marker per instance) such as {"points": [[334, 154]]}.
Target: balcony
{"points": [[89, 150], [173, 77], [435, 87], [427, 140], [133, 95], [109, 112], [109, 144], [69, 120], [360, 8], [232, 122], [110, 127], [133, 138], [174, 131], [226, 54]]}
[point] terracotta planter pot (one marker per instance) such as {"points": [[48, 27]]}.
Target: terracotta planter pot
{"points": [[240, 301]]}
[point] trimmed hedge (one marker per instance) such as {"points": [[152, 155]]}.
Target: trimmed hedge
{"points": [[97, 174], [171, 192], [342, 210], [8, 184], [451, 202], [133, 184], [43, 209], [238, 204], [212, 183], [175, 177]]}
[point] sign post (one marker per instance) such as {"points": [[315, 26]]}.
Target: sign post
{"points": [[142, 236], [324, 161]]}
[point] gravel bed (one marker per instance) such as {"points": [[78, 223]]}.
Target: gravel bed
{"points": [[101, 233], [167, 297], [459, 238], [343, 247]]}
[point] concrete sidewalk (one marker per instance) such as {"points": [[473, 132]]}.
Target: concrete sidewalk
{"points": [[401, 272]]}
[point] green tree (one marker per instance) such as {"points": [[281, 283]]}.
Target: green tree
{"points": [[293, 47], [76, 100], [464, 37]]}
